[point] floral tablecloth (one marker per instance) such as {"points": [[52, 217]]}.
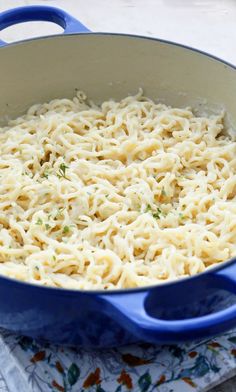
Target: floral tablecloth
{"points": [[26, 366]]}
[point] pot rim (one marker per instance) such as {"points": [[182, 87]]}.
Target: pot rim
{"points": [[73, 292]]}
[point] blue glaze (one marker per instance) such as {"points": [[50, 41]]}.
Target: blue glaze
{"points": [[41, 13], [105, 319], [193, 308]]}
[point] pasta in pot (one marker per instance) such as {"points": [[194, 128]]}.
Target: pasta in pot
{"points": [[120, 195]]}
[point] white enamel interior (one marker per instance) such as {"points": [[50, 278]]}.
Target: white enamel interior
{"points": [[112, 66]]}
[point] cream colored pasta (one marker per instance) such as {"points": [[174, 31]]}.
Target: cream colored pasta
{"points": [[124, 194]]}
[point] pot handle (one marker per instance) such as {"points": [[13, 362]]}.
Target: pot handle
{"points": [[41, 13], [130, 309]]}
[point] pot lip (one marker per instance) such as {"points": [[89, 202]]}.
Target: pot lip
{"points": [[135, 36], [66, 292], [4, 280]]}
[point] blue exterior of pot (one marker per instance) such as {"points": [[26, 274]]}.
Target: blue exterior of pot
{"points": [[191, 308]]}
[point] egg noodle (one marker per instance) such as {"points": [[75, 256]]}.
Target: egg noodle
{"points": [[124, 194]]}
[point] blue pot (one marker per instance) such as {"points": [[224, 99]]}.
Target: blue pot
{"points": [[113, 65]]}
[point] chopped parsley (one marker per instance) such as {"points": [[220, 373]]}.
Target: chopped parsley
{"points": [[54, 257], [60, 211], [45, 174], [66, 230], [156, 214], [47, 226], [28, 174], [148, 208], [181, 216], [39, 221], [163, 192], [62, 170]]}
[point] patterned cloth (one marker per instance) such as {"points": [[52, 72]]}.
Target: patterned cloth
{"points": [[27, 366]]}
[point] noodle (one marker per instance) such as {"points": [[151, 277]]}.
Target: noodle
{"points": [[125, 194]]}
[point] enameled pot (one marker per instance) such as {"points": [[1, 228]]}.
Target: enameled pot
{"points": [[114, 65]]}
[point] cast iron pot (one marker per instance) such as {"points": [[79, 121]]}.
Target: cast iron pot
{"points": [[114, 65]]}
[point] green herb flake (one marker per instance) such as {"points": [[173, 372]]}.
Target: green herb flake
{"points": [[157, 214], [60, 211], [148, 208], [47, 226], [163, 192], [37, 268], [39, 221], [46, 173], [62, 170], [66, 230], [54, 257]]}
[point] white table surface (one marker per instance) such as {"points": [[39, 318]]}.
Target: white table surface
{"points": [[209, 25]]}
